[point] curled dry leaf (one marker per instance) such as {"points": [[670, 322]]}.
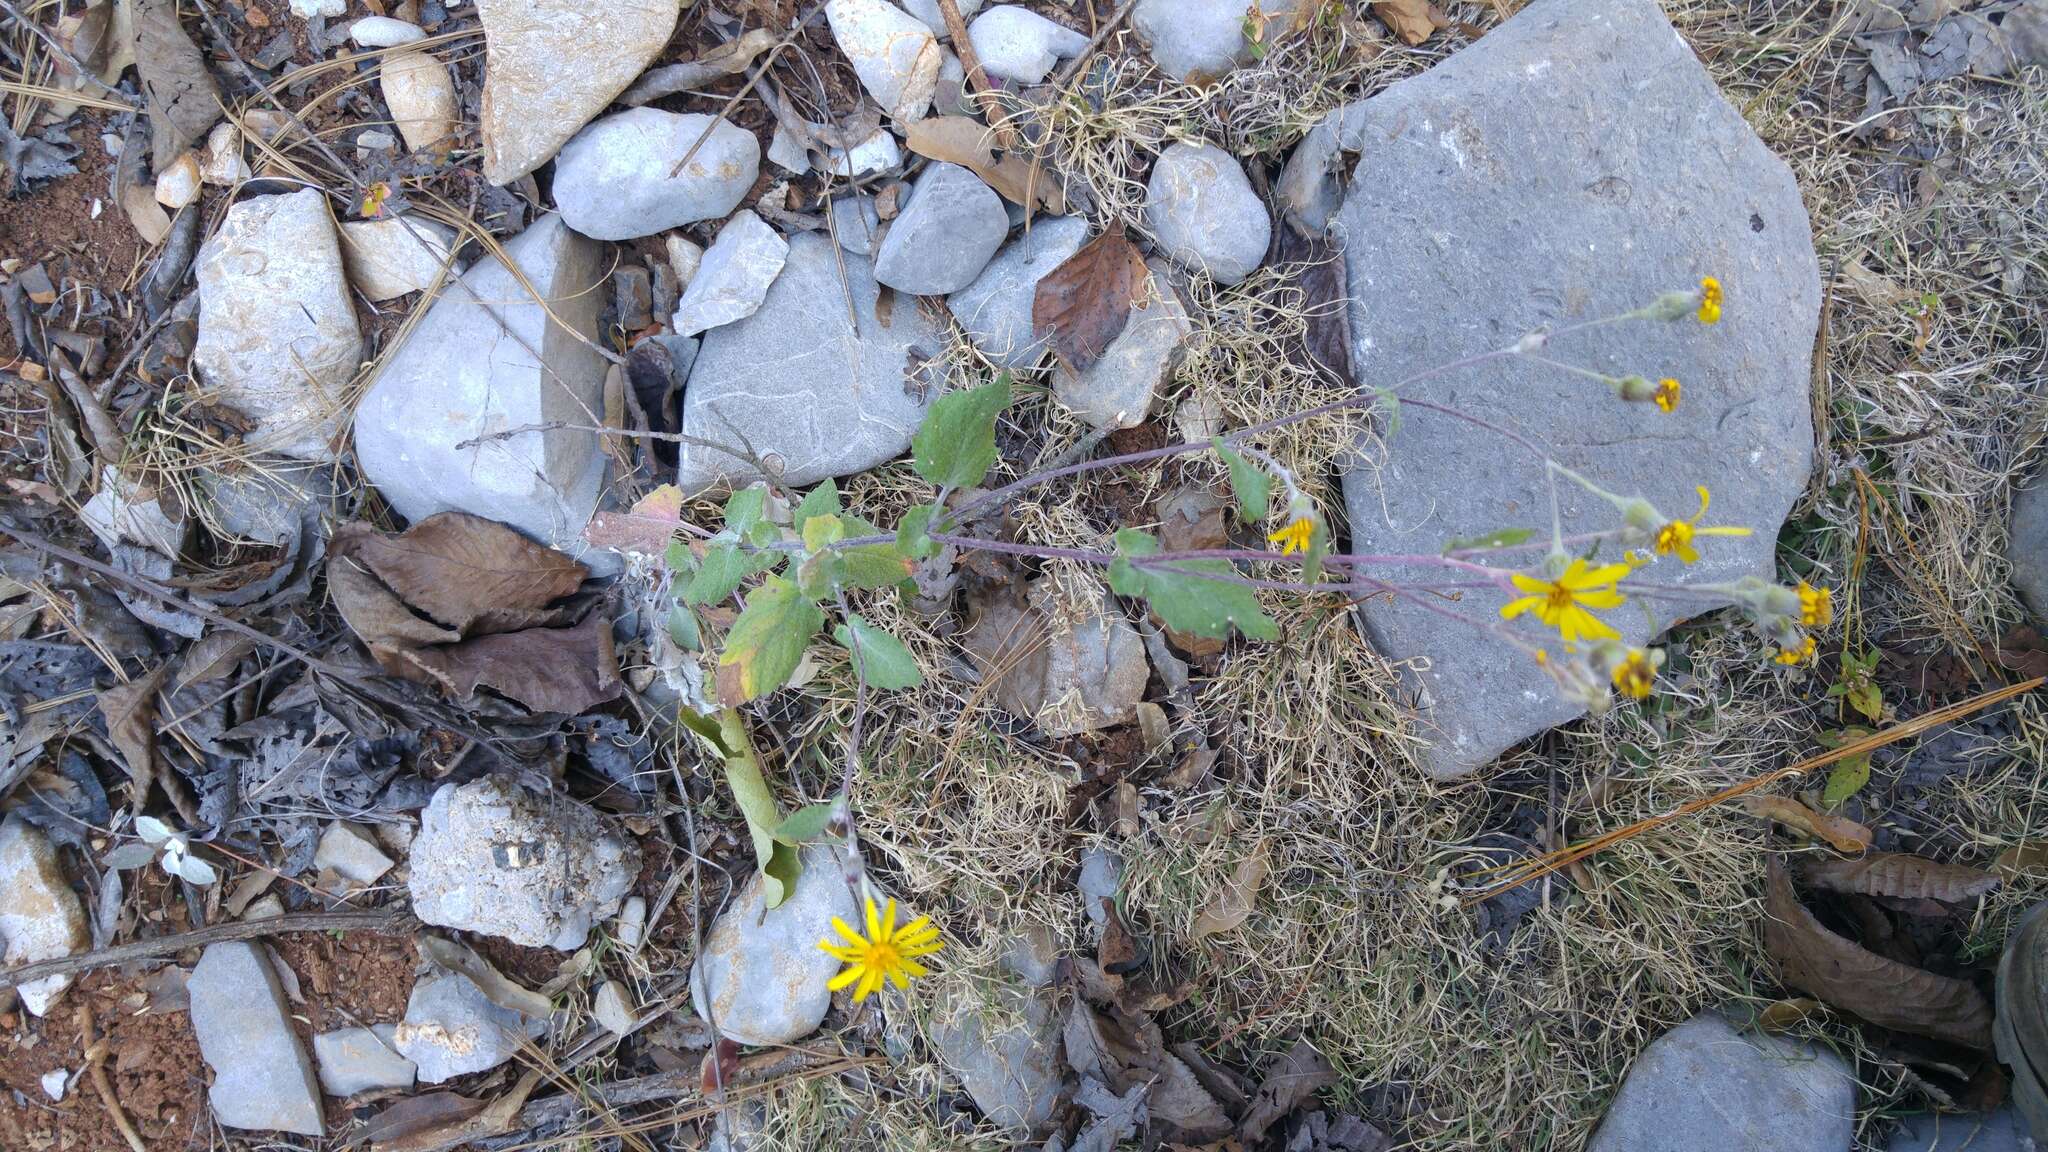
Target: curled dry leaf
{"points": [[565, 670], [724, 60], [646, 527], [130, 711], [1842, 834], [2023, 857], [1885, 992], [1900, 875], [1411, 20], [1083, 305], [971, 144], [1781, 1016], [1232, 906], [465, 572], [1293, 1079]]}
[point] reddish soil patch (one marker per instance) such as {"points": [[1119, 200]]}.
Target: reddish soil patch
{"points": [[152, 1064]]}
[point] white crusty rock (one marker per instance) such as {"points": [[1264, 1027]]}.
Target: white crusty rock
{"points": [[550, 65], [484, 360], [612, 181], [178, 184], [394, 255], [262, 1078], [452, 1028], [421, 97], [1204, 214], [761, 977], [383, 32], [733, 276], [894, 54], [1069, 663], [995, 310], [277, 334], [223, 163], [1019, 44], [494, 857], [40, 917]]}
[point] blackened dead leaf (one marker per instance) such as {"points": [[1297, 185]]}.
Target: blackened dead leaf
{"points": [[1902, 876], [566, 670], [1885, 992], [418, 1122], [1295, 1077], [1120, 954], [180, 94], [1083, 305], [1324, 293], [32, 160], [470, 574]]}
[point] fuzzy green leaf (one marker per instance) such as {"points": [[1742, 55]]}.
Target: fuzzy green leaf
{"points": [[680, 559], [769, 638], [1499, 538], [1198, 596], [804, 825], [871, 566], [683, 630], [884, 661], [719, 575], [955, 446], [911, 538], [820, 501], [1248, 482], [743, 508]]}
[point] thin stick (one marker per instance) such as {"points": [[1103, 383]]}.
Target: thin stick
{"points": [[77, 65], [385, 922], [95, 1065], [985, 93]]}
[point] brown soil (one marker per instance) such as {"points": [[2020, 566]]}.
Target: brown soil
{"points": [[152, 1064], [55, 225]]}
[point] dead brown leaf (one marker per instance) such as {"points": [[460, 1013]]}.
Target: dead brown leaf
{"points": [[1411, 20], [1781, 1016], [1324, 294], [1842, 834], [646, 528], [178, 90], [971, 144], [1885, 992], [1083, 305], [467, 573], [130, 711], [1233, 904], [1899, 875], [2023, 857], [418, 1123], [1291, 1080], [566, 670]]}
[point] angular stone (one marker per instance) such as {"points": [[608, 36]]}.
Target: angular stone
{"points": [[550, 65], [894, 54], [1117, 390], [612, 181], [261, 1076], [1069, 668], [613, 1008], [351, 852], [1006, 1053], [1204, 214], [878, 153], [484, 361], [494, 857], [805, 385], [452, 1029], [945, 236], [1507, 189], [1702, 1087], [1020, 45], [855, 223], [40, 917], [421, 98], [2028, 547], [761, 977], [388, 258], [277, 334], [995, 310], [734, 275], [1200, 40], [353, 1060]]}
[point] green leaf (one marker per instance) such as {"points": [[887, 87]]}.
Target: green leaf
{"points": [[1203, 597], [884, 661], [769, 638], [682, 628], [779, 863], [1498, 538], [743, 508], [680, 559], [719, 575], [955, 446], [1845, 779], [1866, 697], [873, 566], [1392, 404], [820, 501], [804, 825], [822, 531], [911, 538], [1248, 482]]}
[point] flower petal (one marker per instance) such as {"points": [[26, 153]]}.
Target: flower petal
{"points": [[874, 921], [846, 977], [847, 931]]}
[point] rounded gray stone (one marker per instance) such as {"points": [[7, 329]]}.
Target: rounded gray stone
{"points": [[1199, 40], [1703, 1087], [945, 236], [612, 179], [2028, 547], [1204, 214], [1118, 390], [761, 977], [995, 310], [855, 223], [1018, 44]]}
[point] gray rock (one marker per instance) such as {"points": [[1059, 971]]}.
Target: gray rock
{"points": [[421, 97], [855, 223], [384, 32], [761, 977], [734, 275], [1513, 191], [1117, 391], [270, 503], [277, 334], [2000, 1131], [810, 388], [40, 916], [1311, 185], [351, 852], [356, 1060], [787, 154], [879, 152], [487, 360], [452, 1029], [1702, 1087], [952, 97], [1033, 956], [1018, 44], [261, 1076], [537, 869], [1204, 214], [1102, 877], [2028, 546], [1200, 40], [550, 65], [1005, 1052], [995, 310], [612, 181], [944, 236], [1067, 665], [389, 257], [613, 1008], [894, 54], [928, 11], [685, 256]]}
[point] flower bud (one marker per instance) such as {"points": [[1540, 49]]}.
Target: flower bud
{"points": [[1674, 306]]}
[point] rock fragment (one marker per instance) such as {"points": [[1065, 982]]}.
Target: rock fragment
{"points": [[945, 236], [1204, 213], [262, 1078], [353, 1060], [895, 55], [1703, 1087], [734, 275], [40, 916], [612, 181], [761, 977], [534, 99], [995, 310]]}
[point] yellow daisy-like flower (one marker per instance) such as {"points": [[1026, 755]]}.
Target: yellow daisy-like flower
{"points": [[1295, 536], [1635, 675], [1675, 537], [1800, 655], [1816, 606], [1710, 300], [885, 953], [1562, 603], [1666, 396]]}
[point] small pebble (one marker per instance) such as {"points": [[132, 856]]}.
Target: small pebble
{"points": [[384, 32]]}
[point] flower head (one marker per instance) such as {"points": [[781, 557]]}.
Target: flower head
{"points": [[1295, 536], [1635, 674], [1710, 300], [1675, 537], [373, 200], [1816, 606], [1562, 603], [885, 953], [1797, 654], [1666, 395]]}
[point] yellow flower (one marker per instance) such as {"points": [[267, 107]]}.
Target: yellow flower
{"points": [[1676, 536], [1562, 603], [1635, 675], [1666, 395], [885, 953], [373, 199], [1295, 536], [1799, 655], [1816, 606], [1710, 300]]}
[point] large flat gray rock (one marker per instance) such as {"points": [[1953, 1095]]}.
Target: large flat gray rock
{"points": [[1006, 1054], [813, 391], [995, 310], [1702, 1087], [2000, 1131], [262, 1078], [1573, 164], [489, 360]]}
